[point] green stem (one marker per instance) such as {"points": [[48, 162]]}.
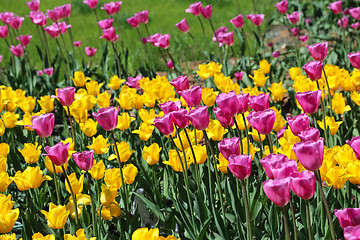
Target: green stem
{"points": [[93, 207], [197, 172], [308, 220], [269, 143], [328, 87], [248, 218], [72, 195], [55, 178], [286, 222], [293, 219], [72, 128], [324, 116]]}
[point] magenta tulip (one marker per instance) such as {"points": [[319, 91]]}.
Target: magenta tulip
{"points": [[278, 166], [65, 95], [84, 160], [313, 69], [243, 102], [348, 216], [133, 21], [17, 50], [195, 9], [282, 6], [163, 41], [343, 22], [6, 16], [91, 3], [54, 14], [34, 5], [298, 123], [227, 39], [318, 51], [257, 19], [199, 117], [295, 31], [238, 21], [262, 121], [170, 64], [355, 145], [355, 13], [164, 124], [4, 31], [229, 146], [107, 117], [49, 71], [1, 58], [15, 22], [240, 165], [110, 35], [65, 10], [276, 54], [303, 184], [278, 191], [310, 153], [354, 58], [170, 106], [24, 39], [143, 16], [179, 118], [224, 119], [228, 103], [309, 134], [309, 101], [180, 83], [106, 23], [58, 153], [355, 25], [112, 7], [134, 82], [183, 26], [336, 7], [77, 43], [207, 11], [192, 96], [303, 38], [90, 51], [43, 124], [294, 18], [259, 102], [239, 75], [352, 232]]}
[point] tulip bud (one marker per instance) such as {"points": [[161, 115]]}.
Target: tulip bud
{"points": [[278, 191], [240, 165], [310, 153]]}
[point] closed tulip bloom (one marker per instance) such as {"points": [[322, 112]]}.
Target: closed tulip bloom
{"points": [[310, 153], [89, 127], [76, 185], [348, 217], [299, 123], [313, 70], [194, 8], [5, 181], [318, 51], [38, 18], [77, 44], [228, 103], [239, 75], [257, 19], [355, 145], [107, 117], [343, 22], [273, 163], [303, 184], [199, 117], [352, 232], [24, 39], [192, 96], [336, 7], [6, 16], [240, 165], [90, 51], [15, 22], [4, 31], [309, 101], [355, 25], [31, 152], [259, 102], [278, 191], [355, 13], [31, 178], [294, 18], [124, 121], [46, 103], [207, 11], [34, 5], [170, 106], [164, 124], [56, 216], [110, 35], [354, 59], [282, 6], [115, 82], [65, 95], [17, 50], [151, 153], [112, 7], [224, 119], [163, 41], [179, 118], [276, 54], [98, 170], [277, 91], [303, 38], [238, 21], [106, 23], [58, 153], [309, 134], [84, 160], [133, 21], [143, 16], [91, 3], [183, 26], [43, 124], [9, 217], [229, 146], [262, 121], [180, 83], [49, 71]]}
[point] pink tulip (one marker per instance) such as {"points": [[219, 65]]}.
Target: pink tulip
{"points": [[65, 95], [276, 54], [195, 9], [153, 38], [224, 119], [179, 119], [310, 153], [298, 123], [65, 10], [49, 71], [259, 102], [294, 18], [238, 21], [262, 121], [24, 39], [54, 14], [336, 7], [346, 12], [354, 58], [170, 64], [313, 70], [281, 133], [4, 31], [240, 165], [309, 101], [243, 101], [143, 16], [15, 22], [133, 21], [309, 134], [183, 26], [295, 31], [192, 96], [164, 124], [348, 217], [180, 83], [38, 18], [352, 232], [282, 6], [62, 26], [43, 124], [77, 43], [278, 191], [6, 16], [170, 106], [257, 19], [112, 7], [318, 51], [278, 166], [304, 38], [1, 58], [17, 50], [134, 82], [40, 72], [58, 153], [229, 146], [207, 11], [228, 103], [106, 23], [355, 13], [199, 117], [308, 20], [107, 117], [163, 41], [91, 3], [217, 37], [90, 51], [227, 39], [303, 184], [355, 145], [239, 75], [355, 25], [343, 22], [34, 5], [110, 35], [84, 160]]}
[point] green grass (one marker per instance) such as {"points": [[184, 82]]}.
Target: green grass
{"points": [[164, 14]]}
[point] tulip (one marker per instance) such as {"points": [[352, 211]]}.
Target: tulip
{"points": [[10, 119], [343, 22], [163, 41], [24, 39], [309, 101], [309, 134], [239, 75], [240, 165], [100, 145], [278, 191], [4, 31], [336, 7], [238, 21], [151, 153], [31, 152], [15, 22], [352, 232], [294, 18], [34, 5], [109, 34], [143, 16], [106, 23], [207, 11], [355, 13], [218, 35], [310, 153], [17, 51], [224, 119], [91, 3], [112, 7], [170, 106], [303, 184], [304, 38], [65, 10], [43, 124], [299, 123], [1, 58], [318, 51], [31, 178], [84, 160], [58, 153], [77, 43], [314, 70], [194, 8], [179, 118], [133, 21], [164, 124], [107, 117], [348, 217], [183, 26], [180, 83], [53, 31], [170, 64], [282, 6], [90, 51], [259, 102], [227, 39], [56, 216], [115, 82], [5, 181], [257, 19], [229, 146], [192, 96], [65, 95], [199, 117], [355, 25], [295, 31], [354, 58], [276, 54], [262, 121], [8, 220], [6, 16], [277, 91], [278, 166], [355, 145], [228, 103], [49, 71], [38, 18], [98, 170]]}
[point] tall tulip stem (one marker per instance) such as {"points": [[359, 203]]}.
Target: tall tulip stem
{"points": [[94, 222], [55, 178], [308, 221], [293, 219], [247, 209], [286, 222], [328, 87], [324, 116], [72, 127], [72, 195]]}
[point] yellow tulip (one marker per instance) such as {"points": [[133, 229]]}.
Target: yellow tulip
{"points": [[80, 235], [58, 169], [8, 216], [82, 200], [355, 96], [259, 78], [209, 70], [200, 154], [5, 181], [110, 211], [98, 170], [149, 100], [9, 237], [113, 178], [331, 124], [2, 127], [151, 153], [147, 117], [145, 233], [27, 104], [130, 172], [46, 103], [295, 72], [31, 152], [93, 87], [353, 169], [108, 195], [138, 101], [31, 178], [115, 82], [79, 79], [215, 130], [265, 66], [145, 131], [338, 104], [355, 78], [124, 151], [56, 216], [103, 100], [277, 91], [279, 120], [222, 82], [252, 91], [174, 161], [126, 98], [209, 96], [10, 119], [76, 185], [39, 236], [336, 177], [89, 127], [100, 145], [255, 135], [124, 121]]}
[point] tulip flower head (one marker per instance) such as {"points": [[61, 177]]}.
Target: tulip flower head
{"points": [[303, 38], [58, 153], [15, 22], [24, 39], [282, 6], [164, 124], [143, 16], [192, 96], [133, 21], [195, 9], [352, 232], [310, 153], [318, 51], [354, 58], [259, 102], [6, 16], [49, 71], [355, 13], [348, 217], [314, 70], [207, 11], [65, 95], [228, 103], [257, 19], [224, 119], [17, 50], [278, 191], [294, 18], [112, 7], [343, 22], [303, 184], [84, 160], [179, 118], [309, 101], [299, 123], [107, 117], [238, 21], [355, 26], [276, 54], [183, 26], [4, 31], [309, 134], [43, 124], [110, 35], [262, 121], [199, 117], [355, 145], [56, 216], [106, 23], [336, 7], [240, 165], [34, 5], [229, 146], [38, 18], [278, 166], [90, 51], [91, 3]]}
